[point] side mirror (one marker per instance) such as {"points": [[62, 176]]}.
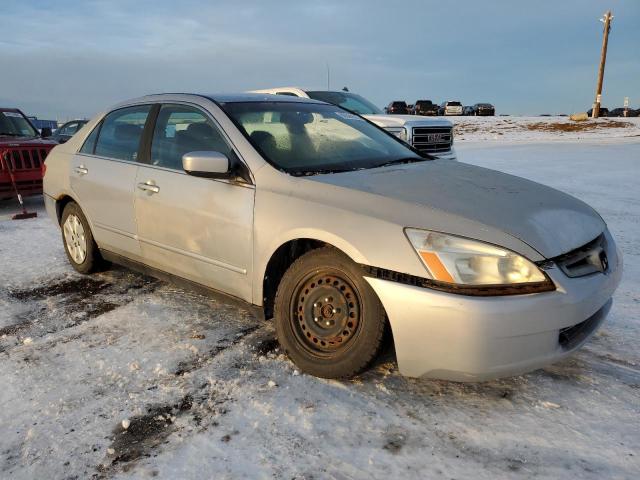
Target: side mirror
{"points": [[206, 164], [45, 132]]}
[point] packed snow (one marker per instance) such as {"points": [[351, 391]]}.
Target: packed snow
{"points": [[118, 375], [544, 129]]}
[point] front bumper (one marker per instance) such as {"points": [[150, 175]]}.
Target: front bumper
{"points": [[448, 155], [462, 338]]}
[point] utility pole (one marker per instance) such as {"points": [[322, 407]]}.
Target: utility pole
{"points": [[626, 106], [603, 58]]}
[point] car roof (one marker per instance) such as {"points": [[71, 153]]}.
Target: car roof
{"points": [[221, 98], [258, 97]]}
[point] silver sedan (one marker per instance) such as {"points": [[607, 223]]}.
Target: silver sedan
{"points": [[313, 216]]}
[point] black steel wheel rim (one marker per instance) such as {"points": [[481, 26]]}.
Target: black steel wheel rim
{"points": [[326, 313]]}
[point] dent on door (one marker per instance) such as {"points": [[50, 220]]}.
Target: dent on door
{"points": [[197, 228]]}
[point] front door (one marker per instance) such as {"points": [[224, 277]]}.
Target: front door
{"points": [[103, 175], [196, 228]]}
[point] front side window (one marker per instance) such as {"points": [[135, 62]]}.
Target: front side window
{"points": [[14, 124], [69, 129], [308, 138], [120, 134], [181, 129]]}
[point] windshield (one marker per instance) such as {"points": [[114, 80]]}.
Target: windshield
{"points": [[350, 101], [14, 124], [454, 104], [309, 138]]}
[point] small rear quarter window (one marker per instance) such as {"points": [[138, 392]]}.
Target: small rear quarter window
{"points": [[89, 144]]}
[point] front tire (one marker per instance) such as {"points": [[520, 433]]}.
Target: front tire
{"points": [[328, 318], [79, 245]]}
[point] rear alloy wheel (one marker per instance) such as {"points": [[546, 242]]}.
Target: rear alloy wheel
{"points": [[75, 238], [81, 249], [328, 319]]}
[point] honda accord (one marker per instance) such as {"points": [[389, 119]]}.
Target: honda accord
{"points": [[314, 217]]}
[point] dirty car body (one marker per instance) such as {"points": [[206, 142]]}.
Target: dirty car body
{"points": [[481, 274]]}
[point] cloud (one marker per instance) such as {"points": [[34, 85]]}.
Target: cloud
{"points": [[71, 58]]}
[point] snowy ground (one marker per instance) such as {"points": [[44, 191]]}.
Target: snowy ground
{"points": [[544, 129], [208, 395]]}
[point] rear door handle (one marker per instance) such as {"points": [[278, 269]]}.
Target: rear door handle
{"points": [[81, 170], [149, 187]]}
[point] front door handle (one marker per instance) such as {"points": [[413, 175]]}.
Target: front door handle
{"points": [[149, 187], [81, 170]]}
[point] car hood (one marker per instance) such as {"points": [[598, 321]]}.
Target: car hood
{"points": [[407, 120], [25, 142], [549, 221]]}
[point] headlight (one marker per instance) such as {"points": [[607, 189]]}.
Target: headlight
{"points": [[399, 132], [462, 261]]}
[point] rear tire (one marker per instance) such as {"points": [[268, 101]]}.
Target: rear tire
{"points": [[81, 249], [328, 319]]}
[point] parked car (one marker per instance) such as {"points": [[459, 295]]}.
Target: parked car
{"points": [[41, 124], [604, 112], [623, 112], [467, 110], [484, 109], [22, 152], [433, 136], [397, 108], [450, 108], [333, 227], [425, 107], [66, 131]]}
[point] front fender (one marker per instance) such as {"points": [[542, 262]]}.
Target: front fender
{"points": [[309, 233]]}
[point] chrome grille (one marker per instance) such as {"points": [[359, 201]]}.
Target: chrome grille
{"points": [[432, 139]]}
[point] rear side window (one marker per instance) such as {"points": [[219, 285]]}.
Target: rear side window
{"points": [[120, 134], [181, 129], [89, 144]]}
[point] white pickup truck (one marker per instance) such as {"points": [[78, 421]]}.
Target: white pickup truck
{"points": [[433, 136]]}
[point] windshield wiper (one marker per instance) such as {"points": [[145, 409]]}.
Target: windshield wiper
{"points": [[403, 160], [11, 134], [306, 173]]}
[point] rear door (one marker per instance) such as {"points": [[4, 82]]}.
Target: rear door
{"points": [[103, 178], [196, 228]]}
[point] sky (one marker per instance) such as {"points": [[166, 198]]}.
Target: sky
{"points": [[63, 59]]}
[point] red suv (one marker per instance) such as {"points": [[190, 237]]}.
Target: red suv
{"points": [[22, 153]]}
